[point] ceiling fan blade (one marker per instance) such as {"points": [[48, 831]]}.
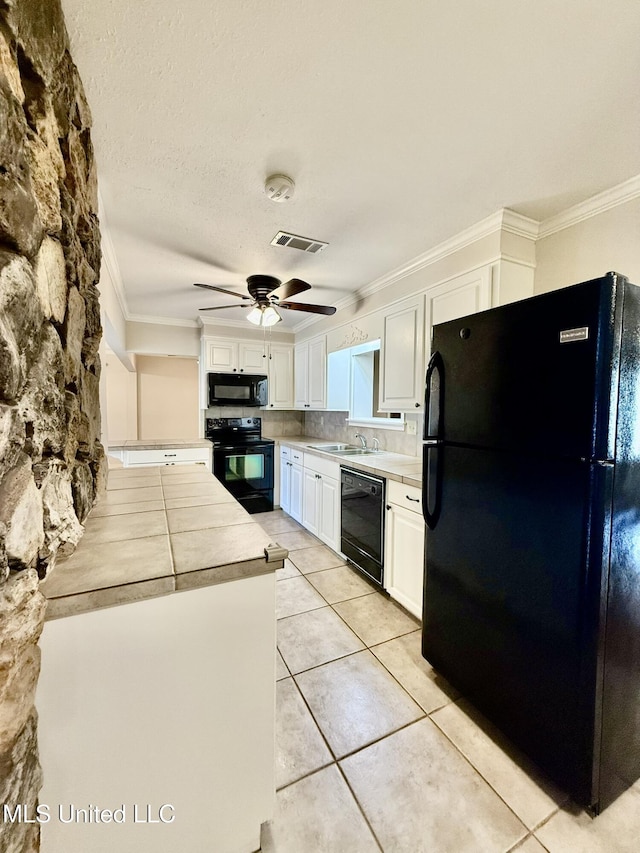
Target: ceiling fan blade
{"points": [[311, 309], [290, 288], [222, 290], [220, 307]]}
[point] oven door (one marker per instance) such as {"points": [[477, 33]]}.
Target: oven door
{"points": [[247, 472]]}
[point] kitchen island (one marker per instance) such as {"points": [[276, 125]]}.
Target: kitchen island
{"points": [[156, 697]]}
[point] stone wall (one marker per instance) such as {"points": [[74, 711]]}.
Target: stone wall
{"points": [[51, 460]]}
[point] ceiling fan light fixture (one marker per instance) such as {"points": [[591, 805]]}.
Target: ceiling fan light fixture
{"points": [[270, 316], [255, 316], [263, 315]]}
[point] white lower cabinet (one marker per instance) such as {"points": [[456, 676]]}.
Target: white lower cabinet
{"points": [[321, 499], [404, 546], [291, 472], [285, 479]]}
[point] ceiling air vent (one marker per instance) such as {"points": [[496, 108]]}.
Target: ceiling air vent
{"points": [[293, 241]]}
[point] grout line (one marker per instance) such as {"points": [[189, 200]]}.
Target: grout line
{"points": [[423, 716], [360, 806], [336, 763], [486, 781], [306, 775]]}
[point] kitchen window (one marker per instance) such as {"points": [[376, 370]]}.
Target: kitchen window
{"points": [[353, 386]]}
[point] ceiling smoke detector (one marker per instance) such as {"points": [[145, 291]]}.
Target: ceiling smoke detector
{"points": [[279, 188]]}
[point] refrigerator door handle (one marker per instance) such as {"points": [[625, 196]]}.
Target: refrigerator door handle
{"points": [[434, 377], [431, 483]]}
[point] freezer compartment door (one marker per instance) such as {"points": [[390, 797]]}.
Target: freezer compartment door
{"points": [[537, 376], [511, 600]]}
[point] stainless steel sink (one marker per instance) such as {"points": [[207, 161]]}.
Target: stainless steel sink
{"points": [[357, 451], [329, 448], [345, 449]]}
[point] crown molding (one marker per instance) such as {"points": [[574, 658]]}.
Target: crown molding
{"points": [[502, 220], [522, 226], [620, 194]]}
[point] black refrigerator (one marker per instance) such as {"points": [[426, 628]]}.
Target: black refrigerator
{"points": [[531, 496]]}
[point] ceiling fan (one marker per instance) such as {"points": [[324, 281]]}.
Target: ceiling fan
{"points": [[267, 295]]}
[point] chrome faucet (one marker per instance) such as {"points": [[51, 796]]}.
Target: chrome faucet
{"points": [[363, 440], [376, 443]]}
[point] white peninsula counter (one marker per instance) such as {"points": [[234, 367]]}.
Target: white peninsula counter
{"points": [[143, 452], [156, 696]]}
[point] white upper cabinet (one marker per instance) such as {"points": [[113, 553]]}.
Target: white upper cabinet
{"points": [[280, 372], [253, 357], [465, 294], [274, 360], [311, 374], [401, 351], [224, 355], [221, 355]]}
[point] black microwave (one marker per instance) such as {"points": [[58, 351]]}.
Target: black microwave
{"points": [[237, 389]]}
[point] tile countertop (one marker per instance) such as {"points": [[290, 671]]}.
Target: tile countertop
{"points": [[392, 466], [159, 443], [155, 531]]}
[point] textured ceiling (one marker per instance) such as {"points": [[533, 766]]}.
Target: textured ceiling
{"points": [[401, 123]]}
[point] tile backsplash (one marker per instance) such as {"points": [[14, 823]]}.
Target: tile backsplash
{"points": [[323, 424], [334, 426], [274, 424]]}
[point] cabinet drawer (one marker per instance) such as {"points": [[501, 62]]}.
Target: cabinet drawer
{"points": [[407, 496], [285, 452], [322, 465], [167, 456]]}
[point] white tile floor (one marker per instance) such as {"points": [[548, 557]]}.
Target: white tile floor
{"points": [[375, 752]]}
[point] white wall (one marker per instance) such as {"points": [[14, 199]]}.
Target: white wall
{"points": [[168, 397], [589, 249], [121, 400]]}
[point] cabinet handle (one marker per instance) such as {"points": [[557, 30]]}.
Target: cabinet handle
{"points": [[388, 506], [417, 405], [415, 500], [235, 369], [170, 454]]}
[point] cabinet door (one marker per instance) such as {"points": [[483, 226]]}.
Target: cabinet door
{"points": [[301, 370], [402, 358], [311, 482], [280, 376], [465, 294], [295, 507], [285, 485], [222, 356], [252, 357], [329, 512], [318, 374], [404, 556]]}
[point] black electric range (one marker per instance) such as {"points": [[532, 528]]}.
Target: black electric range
{"points": [[243, 460]]}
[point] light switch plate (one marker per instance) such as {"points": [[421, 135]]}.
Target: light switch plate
{"points": [[412, 428]]}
